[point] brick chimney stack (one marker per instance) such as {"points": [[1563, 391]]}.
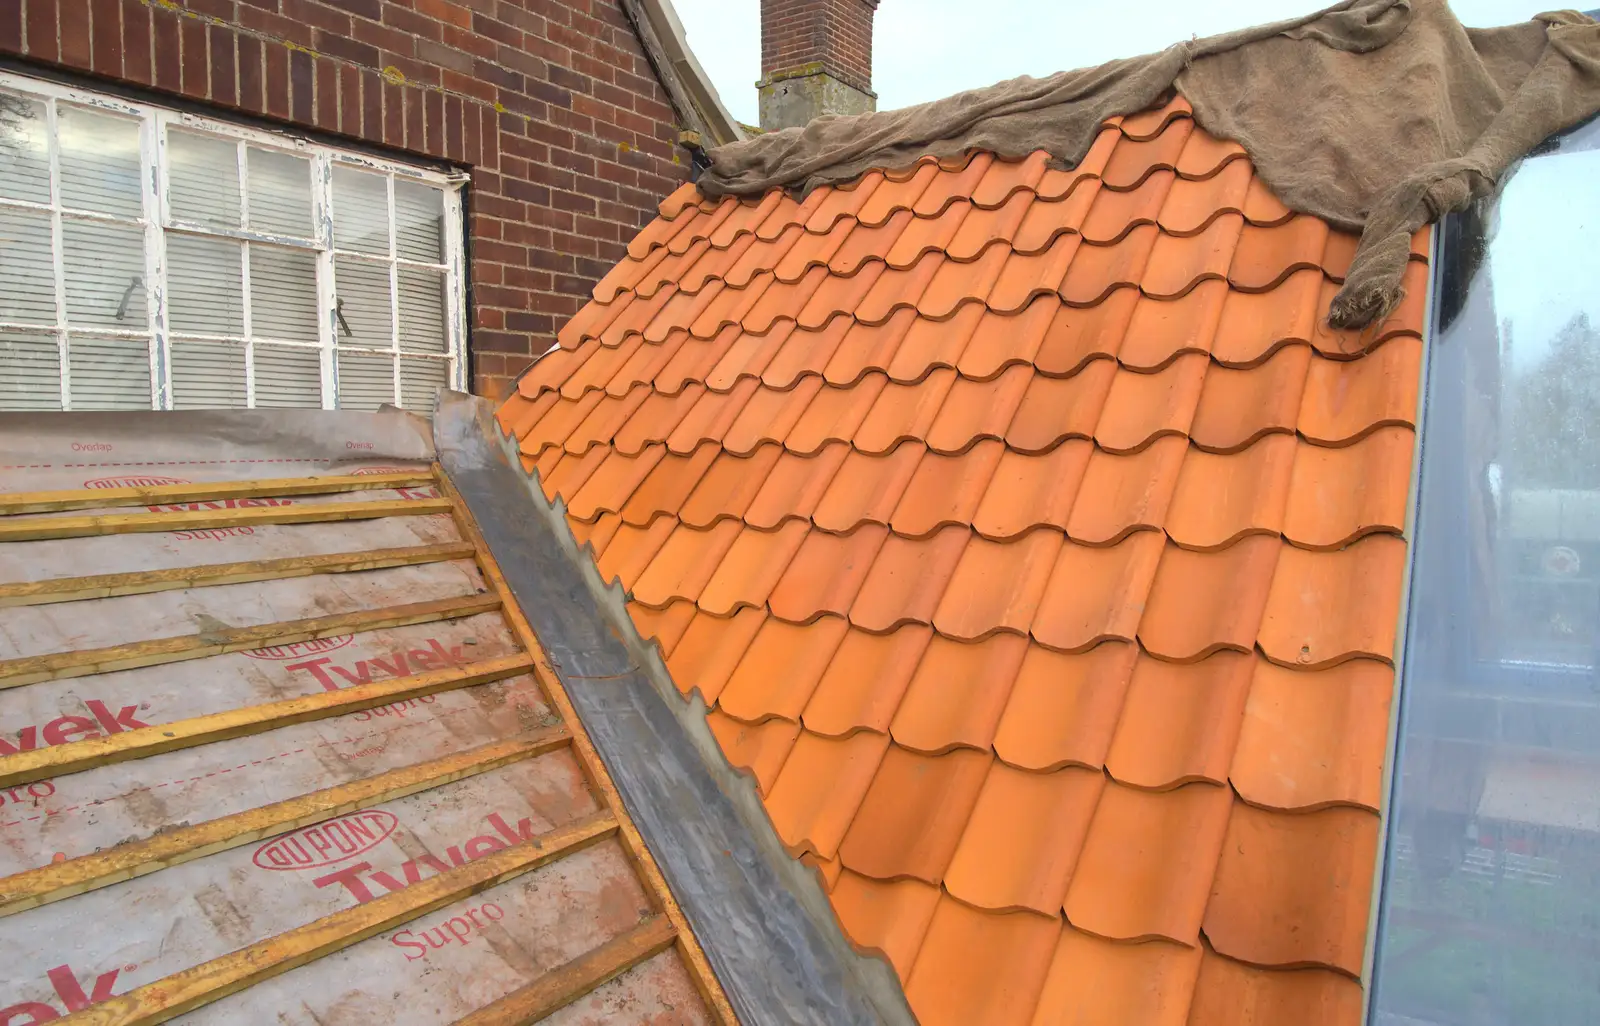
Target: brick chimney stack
{"points": [[816, 58]]}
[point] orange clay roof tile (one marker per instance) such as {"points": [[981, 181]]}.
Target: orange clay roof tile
{"points": [[1020, 846], [835, 414], [1326, 607], [976, 410], [1075, 337], [632, 548], [1114, 214], [999, 340], [1037, 548], [1122, 494], [913, 814], [781, 669], [1310, 740], [1203, 602], [1029, 491], [710, 649], [1221, 498], [1135, 160], [957, 694], [1192, 204], [663, 626], [868, 347], [1318, 909], [1046, 219], [983, 226], [1096, 594], [757, 748], [826, 574], [1160, 330], [863, 685], [1229, 992], [751, 568], [866, 488], [1094, 981], [685, 563], [1177, 264], [980, 968], [941, 490], [1064, 707], [596, 534], [907, 578], [1056, 408], [1148, 861], [885, 917], [820, 788], [1179, 721], [1006, 178], [795, 486], [1096, 271], [1338, 495]]}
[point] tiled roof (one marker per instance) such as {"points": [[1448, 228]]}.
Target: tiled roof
{"points": [[1038, 550]]}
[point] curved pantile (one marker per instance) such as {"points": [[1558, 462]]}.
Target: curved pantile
{"points": [[1037, 548]]}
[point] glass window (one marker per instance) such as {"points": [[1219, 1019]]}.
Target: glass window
{"points": [[155, 259], [1491, 896]]}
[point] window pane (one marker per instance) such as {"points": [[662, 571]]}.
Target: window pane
{"points": [[109, 373], [1491, 902], [365, 381], [205, 288], [280, 193], [24, 154], [418, 221], [283, 293], [205, 178], [27, 269], [105, 274], [207, 375], [99, 161], [362, 290], [419, 379], [30, 372], [288, 377], [360, 211], [422, 310]]}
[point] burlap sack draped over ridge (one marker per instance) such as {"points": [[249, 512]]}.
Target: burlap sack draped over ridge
{"points": [[1375, 115]]}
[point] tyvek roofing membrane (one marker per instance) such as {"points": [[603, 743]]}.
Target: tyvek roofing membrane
{"points": [[344, 760]]}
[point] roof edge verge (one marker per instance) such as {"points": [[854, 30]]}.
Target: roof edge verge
{"points": [[762, 918]]}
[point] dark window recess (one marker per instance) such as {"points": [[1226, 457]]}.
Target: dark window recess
{"points": [[1491, 894]]}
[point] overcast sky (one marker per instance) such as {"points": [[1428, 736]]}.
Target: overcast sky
{"points": [[925, 49]]}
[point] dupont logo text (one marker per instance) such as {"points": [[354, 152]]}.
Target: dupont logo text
{"points": [[132, 482], [327, 843], [300, 649]]}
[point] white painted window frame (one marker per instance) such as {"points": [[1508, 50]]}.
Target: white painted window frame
{"points": [[157, 221]]}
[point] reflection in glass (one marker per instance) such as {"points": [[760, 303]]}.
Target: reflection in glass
{"points": [[24, 149], [99, 161], [280, 193], [1491, 901], [360, 211], [104, 265]]}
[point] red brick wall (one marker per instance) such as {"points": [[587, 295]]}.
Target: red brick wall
{"points": [[550, 104], [834, 33]]}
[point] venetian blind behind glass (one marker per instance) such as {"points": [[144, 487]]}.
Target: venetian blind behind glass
{"points": [[280, 193], [27, 275], [204, 178], [100, 161]]}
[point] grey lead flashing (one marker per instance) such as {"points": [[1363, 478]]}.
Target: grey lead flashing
{"points": [[762, 917]]}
